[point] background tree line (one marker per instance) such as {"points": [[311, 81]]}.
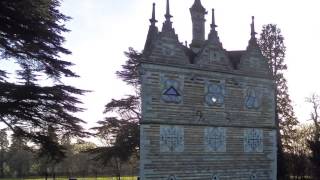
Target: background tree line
{"points": [[20, 159]]}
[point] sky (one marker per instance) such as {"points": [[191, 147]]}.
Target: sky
{"points": [[101, 30]]}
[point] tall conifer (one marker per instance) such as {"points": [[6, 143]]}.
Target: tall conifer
{"points": [[272, 46], [31, 36]]}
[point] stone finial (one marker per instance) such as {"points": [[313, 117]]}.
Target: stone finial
{"points": [[167, 25], [152, 33], [213, 25], [253, 40], [213, 35], [253, 33], [168, 15], [153, 20]]}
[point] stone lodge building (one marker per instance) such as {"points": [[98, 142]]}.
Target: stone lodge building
{"points": [[207, 113]]}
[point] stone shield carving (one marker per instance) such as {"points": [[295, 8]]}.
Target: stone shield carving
{"points": [[171, 139], [215, 94], [253, 140], [252, 99], [215, 177], [171, 177], [215, 139], [171, 91]]}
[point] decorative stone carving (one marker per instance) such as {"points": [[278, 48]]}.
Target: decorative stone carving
{"points": [[215, 139], [168, 49], [215, 94], [199, 116], [253, 140], [252, 100], [171, 177], [213, 55], [171, 91], [233, 81], [215, 177], [171, 139], [253, 176]]}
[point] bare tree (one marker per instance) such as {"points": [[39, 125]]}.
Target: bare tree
{"points": [[314, 144]]}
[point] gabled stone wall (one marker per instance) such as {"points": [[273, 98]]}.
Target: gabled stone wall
{"points": [[207, 113]]}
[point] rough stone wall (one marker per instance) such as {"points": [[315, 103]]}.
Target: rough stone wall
{"points": [[221, 126]]}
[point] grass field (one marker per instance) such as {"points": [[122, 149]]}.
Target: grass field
{"points": [[80, 178]]}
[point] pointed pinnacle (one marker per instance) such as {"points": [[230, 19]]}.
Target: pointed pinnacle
{"points": [[213, 25], [167, 15], [153, 18], [253, 33]]}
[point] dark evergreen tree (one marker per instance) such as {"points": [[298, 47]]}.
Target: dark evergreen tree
{"points": [[272, 46], [31, 36], [121, 133]]}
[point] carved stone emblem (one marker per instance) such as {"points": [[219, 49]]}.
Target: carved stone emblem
{"points": [[253, 176], [215, 139], [253, 140], [171, 92], [171, 177], [171, 139], [213, 55], [199, 116], [215, 177], [215, 94], [252, 100], [168, 49]]}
